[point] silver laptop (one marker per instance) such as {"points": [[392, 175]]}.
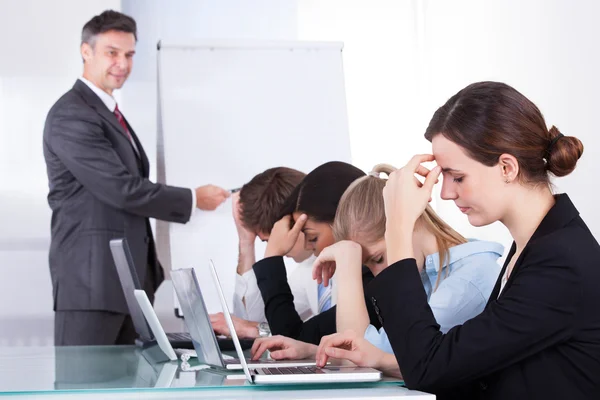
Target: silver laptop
{"points": [[130, 282], [277, 374], [203, 336], [155, 326]]}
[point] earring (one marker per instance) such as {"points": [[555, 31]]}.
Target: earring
{"points": [[506, 180]]}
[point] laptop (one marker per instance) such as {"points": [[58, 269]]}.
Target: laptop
{"points": [[130, 282], [155, 326], [198, 323], [293, 375]]}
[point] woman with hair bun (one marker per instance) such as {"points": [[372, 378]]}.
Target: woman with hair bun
{"points": [[539, 334]]}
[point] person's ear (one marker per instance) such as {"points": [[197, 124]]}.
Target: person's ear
{"points": [[86, 52], [509, 168]]}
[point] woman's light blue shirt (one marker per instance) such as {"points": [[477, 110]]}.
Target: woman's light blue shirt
{"points": [[465, 285]]}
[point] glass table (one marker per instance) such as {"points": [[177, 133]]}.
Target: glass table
{"points": [[43, 371]]}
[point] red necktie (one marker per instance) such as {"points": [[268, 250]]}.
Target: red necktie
{"points": [[122, 122], [124, 125]]}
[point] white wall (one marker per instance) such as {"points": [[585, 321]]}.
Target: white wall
{"points": [[380, 48], [405, 59]]}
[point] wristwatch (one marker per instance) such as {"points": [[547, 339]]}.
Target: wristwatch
{"points": [[263, 329]]}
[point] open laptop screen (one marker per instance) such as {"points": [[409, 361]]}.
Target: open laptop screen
{"points": [[196, 316], [129, 282]]}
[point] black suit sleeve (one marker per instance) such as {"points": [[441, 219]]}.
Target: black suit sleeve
{"points": [[75, 135], [536, 312], [280, 312]]}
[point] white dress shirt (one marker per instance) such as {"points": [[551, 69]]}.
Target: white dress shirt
{"points": [[303, 287]]}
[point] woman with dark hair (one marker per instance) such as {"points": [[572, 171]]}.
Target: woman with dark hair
{"points": [[539, 334], [311, 209], [317, 197]]}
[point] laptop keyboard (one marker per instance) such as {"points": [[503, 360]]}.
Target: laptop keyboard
{"points": [[179, 336], [292, 370]]}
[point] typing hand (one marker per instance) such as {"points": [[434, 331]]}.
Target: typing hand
{"points": [[345, 252], [282, 348], [245, 235], [244, 329], [349, 346], [283, 238], [209, 197]]}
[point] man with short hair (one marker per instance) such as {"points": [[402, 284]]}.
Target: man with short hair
{"points": [[260, 200], [256, 208], [99, 190]]}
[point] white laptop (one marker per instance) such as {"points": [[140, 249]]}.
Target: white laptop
{"points": [[155, 326], [203, 336], [277, 374]]}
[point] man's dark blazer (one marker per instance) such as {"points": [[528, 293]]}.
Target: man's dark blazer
{"points": [[537, 339], [99, 190]]}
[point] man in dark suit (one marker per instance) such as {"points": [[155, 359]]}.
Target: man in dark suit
{"points": [[99, 190]]}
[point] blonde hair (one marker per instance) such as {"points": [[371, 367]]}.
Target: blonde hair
{"points": [[361, 214]]}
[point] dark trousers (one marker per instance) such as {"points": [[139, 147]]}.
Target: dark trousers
{"points": [[97, 328], [92, 328]]}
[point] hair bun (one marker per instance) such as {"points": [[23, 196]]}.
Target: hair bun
{"points": [[563, 153], [382, 169]]}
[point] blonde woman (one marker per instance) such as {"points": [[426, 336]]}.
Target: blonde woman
{"points": [[458, 275]]}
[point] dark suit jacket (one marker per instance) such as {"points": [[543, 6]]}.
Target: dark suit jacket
{"points": [[99, 190], [539, 340], [280, 312]]}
